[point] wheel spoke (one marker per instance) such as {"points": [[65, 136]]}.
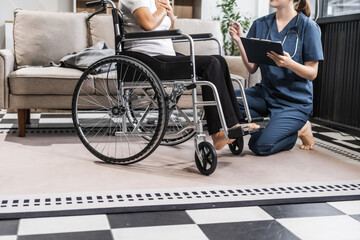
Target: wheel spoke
{"points": [[111, 108]]}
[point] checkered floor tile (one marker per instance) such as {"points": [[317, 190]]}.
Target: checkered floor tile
{"points": [[332, 220], [335, 137], [38, 120]]}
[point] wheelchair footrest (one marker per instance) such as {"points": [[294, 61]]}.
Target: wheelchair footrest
{"points": [[260, 119], [191, 86], [236, 132]]}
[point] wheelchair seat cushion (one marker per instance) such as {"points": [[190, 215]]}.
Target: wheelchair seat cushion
{"points": [[165, 70]]}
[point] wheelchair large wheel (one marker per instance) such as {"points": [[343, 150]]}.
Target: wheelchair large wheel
{"points": [[180, 126], [101, 101], [178, 129]]}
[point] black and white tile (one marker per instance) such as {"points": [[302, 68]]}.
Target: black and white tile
{"points": [[330, 220], [61, 120], [337, 138], [38, 120]]}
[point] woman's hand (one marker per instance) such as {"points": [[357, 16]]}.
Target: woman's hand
{"points": [[158, 4], [170, 12], [281, 60], [235, 31]]}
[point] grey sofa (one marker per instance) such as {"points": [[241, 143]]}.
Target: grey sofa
{"points": [[41, 37]]}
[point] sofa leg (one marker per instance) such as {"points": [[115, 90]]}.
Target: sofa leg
{"points": [[22, 115]]}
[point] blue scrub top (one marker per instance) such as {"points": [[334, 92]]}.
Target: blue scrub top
{"points": [[283, 86]]}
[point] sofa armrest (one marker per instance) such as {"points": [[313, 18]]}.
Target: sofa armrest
{"points": [[236, 66], [7, 62], [237, 77], [254, 78]]}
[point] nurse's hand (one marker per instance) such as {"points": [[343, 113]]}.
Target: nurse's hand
{"points": [[280, 60], [235, 31]]}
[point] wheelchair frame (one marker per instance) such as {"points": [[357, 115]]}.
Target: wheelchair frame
{"points": [[205, 154]]}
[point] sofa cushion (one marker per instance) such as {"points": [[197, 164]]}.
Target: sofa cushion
{"points": [[101, 29], [193, 26], [40, 101], [236, 66], [48, 80], [41, 37]]}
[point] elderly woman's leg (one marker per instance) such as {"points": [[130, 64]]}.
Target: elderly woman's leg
{"points": [[217, 72], [214, 69]]}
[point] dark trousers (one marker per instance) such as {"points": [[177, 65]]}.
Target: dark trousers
{"points": [[214, 69], [282, 131]]}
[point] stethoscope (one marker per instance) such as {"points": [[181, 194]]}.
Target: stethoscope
{"points": [[295, 27]]}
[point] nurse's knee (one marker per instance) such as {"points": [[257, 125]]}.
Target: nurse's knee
{"points": [[264, 147], [261, 149]]}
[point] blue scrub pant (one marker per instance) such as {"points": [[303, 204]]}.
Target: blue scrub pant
{"points": [[282, 131]]}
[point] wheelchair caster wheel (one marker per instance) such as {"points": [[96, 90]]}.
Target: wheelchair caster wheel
{"points": [[237, 146], [209, 158]]}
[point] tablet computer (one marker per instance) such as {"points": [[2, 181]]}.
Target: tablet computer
{"points": [[256, 50]]}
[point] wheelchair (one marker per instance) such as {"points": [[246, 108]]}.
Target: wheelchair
{"points": [[125, 106]]}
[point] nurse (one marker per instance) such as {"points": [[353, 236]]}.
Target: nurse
{"points": [[285, 93]]}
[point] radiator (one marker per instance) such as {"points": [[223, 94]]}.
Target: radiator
{"points": [[337, 87]]}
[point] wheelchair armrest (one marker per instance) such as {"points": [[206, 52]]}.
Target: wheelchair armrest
{"points": [[201, 35], [152, 34], [195, 37]]}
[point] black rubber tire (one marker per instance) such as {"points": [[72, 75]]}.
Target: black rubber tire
{"points": [[209, 157], [107, 98], [237, 146]]}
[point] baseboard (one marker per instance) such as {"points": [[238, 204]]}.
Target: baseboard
{"points": [[337, 126]]}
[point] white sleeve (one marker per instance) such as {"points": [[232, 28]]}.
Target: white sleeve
{"points": [[132, 5]]}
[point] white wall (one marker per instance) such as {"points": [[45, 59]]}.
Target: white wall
{"points": [[7, 8], [251, 8]]}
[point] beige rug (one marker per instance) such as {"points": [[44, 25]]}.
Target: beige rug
{"points": [[59, 163]]}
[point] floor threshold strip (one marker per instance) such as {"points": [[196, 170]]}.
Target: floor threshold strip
{"points": [[187, 198]]}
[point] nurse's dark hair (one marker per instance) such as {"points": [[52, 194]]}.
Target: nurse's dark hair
{"points": [[303, 6]]}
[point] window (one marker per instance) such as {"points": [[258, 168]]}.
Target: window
{"points": [[340, 7]]}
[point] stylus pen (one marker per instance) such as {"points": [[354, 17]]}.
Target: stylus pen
{"points": [[237, 25]]}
